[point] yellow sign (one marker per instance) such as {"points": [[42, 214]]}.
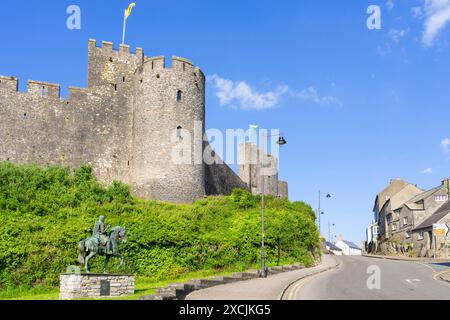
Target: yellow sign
{"points": [[440, 230]]}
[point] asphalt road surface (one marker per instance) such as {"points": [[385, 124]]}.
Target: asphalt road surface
{"points": [[354, 278], [363, 278]]}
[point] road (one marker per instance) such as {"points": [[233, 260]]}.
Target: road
{"points": [[349, 281], [270, 288], [399, 280]]}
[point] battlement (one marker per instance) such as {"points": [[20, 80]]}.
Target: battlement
{"points": [[43, 89], [9, 83], [76, 92], [178, 64], [108, 48]]}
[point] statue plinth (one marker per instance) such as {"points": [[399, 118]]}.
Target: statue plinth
{"points": [[95, 285]]}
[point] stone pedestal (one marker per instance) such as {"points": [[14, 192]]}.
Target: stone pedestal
{"points": [[91, 285]]}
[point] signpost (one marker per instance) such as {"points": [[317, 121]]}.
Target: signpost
{"points": [[440, 230]]}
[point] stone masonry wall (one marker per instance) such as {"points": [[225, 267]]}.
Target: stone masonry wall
{"points": [[75, 286]]}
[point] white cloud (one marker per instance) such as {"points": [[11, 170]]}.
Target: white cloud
{"points": [[312, 94], [427, 170], [437, 14], [445, 145], [397, 34], [241, 95]]}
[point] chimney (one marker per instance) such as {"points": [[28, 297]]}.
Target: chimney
{"points": [[446, 184]]}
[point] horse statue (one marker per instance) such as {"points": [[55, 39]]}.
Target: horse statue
{"points": [[90, 247]]}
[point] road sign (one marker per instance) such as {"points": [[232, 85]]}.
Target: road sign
{"points": [[440, 229]]}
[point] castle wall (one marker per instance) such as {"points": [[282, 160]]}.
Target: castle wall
{"points": [[256, 167], [283, 190], [128, 124], [168, 101], [93, 126], [219, 177]]}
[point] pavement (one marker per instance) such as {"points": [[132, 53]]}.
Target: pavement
{"points": [[354, 280], [270, 288]]}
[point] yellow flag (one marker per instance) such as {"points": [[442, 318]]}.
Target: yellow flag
{"points": [[128, 11]]}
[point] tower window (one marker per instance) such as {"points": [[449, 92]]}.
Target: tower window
{"points": [[179, 95], [179, 128], [157, 76], [115, 87], [123, 79], [44, 91]]}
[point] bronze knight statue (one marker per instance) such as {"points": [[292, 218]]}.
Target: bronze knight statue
{"points": [[102, 243]]}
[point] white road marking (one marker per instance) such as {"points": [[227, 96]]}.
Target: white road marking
{"points": [[411, 281]]}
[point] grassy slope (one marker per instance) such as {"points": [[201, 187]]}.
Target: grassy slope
{"points": [[44, 212]]}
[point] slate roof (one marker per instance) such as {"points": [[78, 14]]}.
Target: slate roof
{"points": [[404, 195], [435, 217], [351, 244], [332, 246]]}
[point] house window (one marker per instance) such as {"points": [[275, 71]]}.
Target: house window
{"points": [[405, 220], [394, 227], [441, 198], [179, 95], [375, 230], [420, 236], [407, 234]]}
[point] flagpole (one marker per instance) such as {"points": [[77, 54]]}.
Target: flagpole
{"points": [[124, 26]]}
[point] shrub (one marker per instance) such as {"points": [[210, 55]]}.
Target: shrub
{"points": [[46, 211]]}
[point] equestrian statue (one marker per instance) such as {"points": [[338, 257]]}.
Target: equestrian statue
{"points": [[102, 243]]}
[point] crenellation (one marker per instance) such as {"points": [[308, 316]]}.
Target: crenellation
{"points": [[9, 83], [43, 89], [124, 48], [107, 45], [155, 63], [182, 64], [77, 93], [140, 54]]}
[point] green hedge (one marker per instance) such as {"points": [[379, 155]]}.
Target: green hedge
{"points": [[46, 211]]}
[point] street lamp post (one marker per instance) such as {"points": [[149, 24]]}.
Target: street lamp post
{"points": [[281, 141], [319, 213], [329, 231]]}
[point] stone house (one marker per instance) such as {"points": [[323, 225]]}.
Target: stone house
{"points": [[419, 208], [388, 221], [382, 197], [422, 235]]}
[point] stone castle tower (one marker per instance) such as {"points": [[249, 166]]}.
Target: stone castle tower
{"points": [[125, 124]]}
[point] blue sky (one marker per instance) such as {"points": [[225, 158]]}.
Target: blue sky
{"points": [[357, 106]]}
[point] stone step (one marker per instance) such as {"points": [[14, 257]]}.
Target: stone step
{"points": [[246, 275], [179, 290], [204, 283], [275, 270], [159, 296], [226, 279], [289, 268]]}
